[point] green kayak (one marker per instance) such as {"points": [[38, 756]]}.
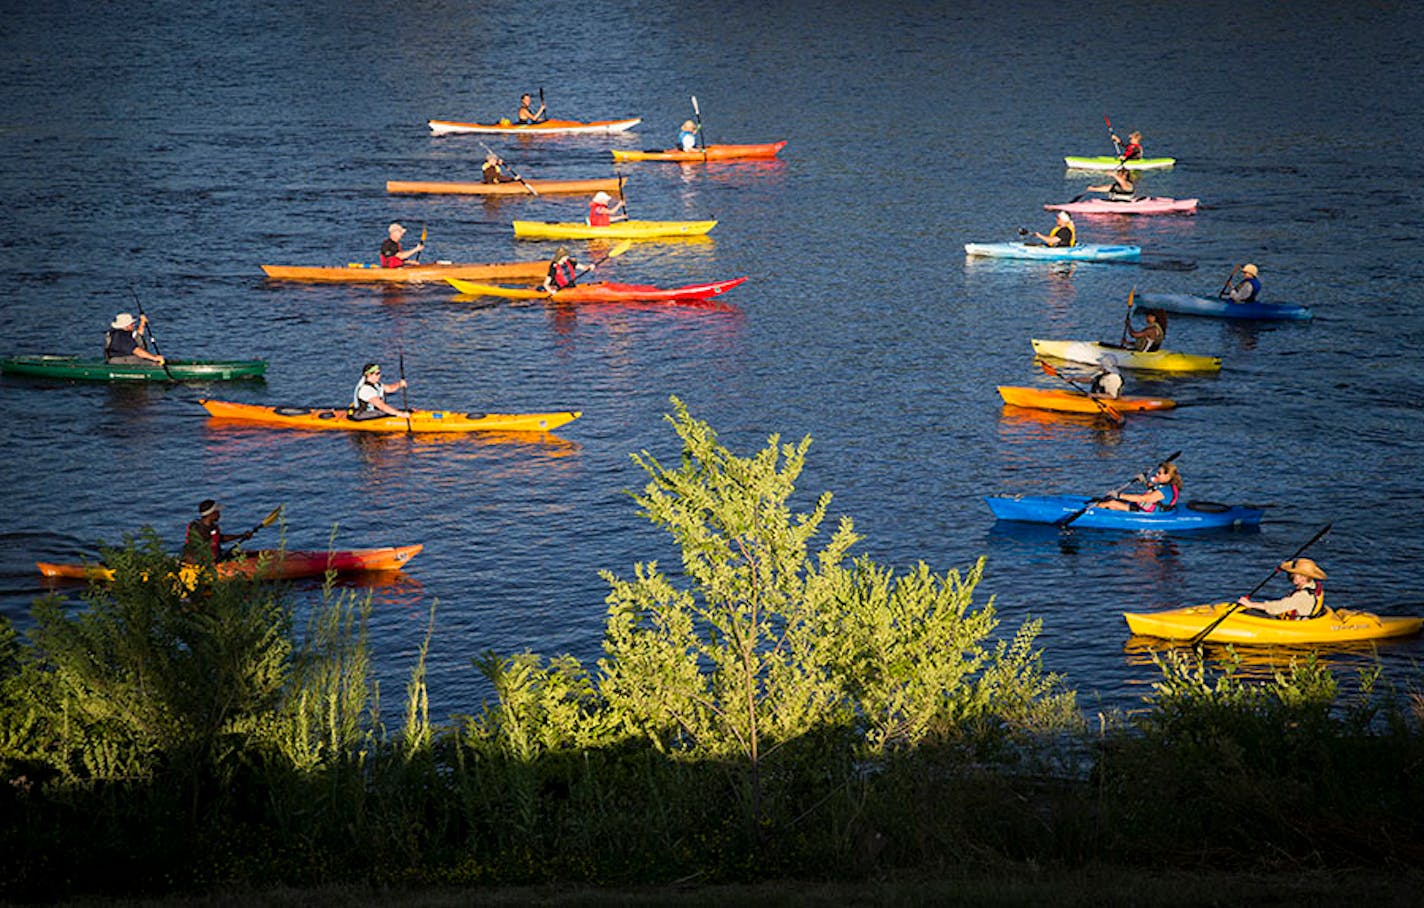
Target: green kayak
{"points": [[1107, 162], [72, 367]]}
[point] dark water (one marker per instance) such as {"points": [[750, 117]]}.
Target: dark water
{"points": [[172, 148]]}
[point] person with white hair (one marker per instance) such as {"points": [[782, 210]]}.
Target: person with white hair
{"points": [[392, 255], [124, 342], [1063, 233], [599, 212]]}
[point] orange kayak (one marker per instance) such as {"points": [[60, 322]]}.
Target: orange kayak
{"points": [[420, 420], [542, 187], [265, 564], [533, 272], [1065, 401], [710, 153]]}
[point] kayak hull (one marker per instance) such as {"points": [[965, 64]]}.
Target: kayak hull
{"points": [[1334, 626], [1065, 401], [605, 292], [1158, 360], [710, 153], [1084, 252], [420, 420], [1186, 304], [532, 272], [542, 187], [265, 564], [1149, 205], [623, 230], [546, 128], [1188, 517], [1110, 162], [72, 367]]}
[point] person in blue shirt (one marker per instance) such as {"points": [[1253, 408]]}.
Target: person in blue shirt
{"points": [[687, 136], [1247, 289]]}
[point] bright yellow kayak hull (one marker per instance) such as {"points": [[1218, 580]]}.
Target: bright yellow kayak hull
{"points": [[1334, 626], [1159, 361]]}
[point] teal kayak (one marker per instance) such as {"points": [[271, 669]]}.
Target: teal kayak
{"points": [[1186, 304], [1109, 162], [1083, 252], [74, 368]]}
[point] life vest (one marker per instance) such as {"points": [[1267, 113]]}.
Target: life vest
{"points": [[1062, 231], [359, 406], [1255, 285], [119, 342], [598, 215], [206, 537], [390, 254], [563, 273], [1131, 151], [1166, 504]]}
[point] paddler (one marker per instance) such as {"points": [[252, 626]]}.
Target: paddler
{"points": [[1120, 189], [490, 171], [124, 341], [1132, 151], [564, 271], [1154, 499], [1247, 289], [205, 539], [1107, 381], [392, 256], [1308, 598], [1063, 233], [1149, 338], [526, 112], [600, 215], [687, 136], [368, 401]]}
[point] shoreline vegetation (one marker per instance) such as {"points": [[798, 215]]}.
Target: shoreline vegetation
{"points": [[775, 710]]}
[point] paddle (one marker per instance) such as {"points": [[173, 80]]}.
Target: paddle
{"points": [[1140, 477], [626, 215], [512, 172], [405, 399], [266, 522], [423, 234], [1222, 292], [1108, 411], [1127, 319], [142, 316], [611, 254], [1112, 135], [1202, 634], [701, 136], [543, 113]]}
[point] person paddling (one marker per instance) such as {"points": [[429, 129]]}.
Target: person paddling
{"points": [[1247, 289], [1063, 233], [564, 271], [526, 114], [392, 255], [1107, 381], [204, 540], [687, 136], [1167, 477], [1306, 601], [124, 342], [368, 401], [1149, 338], [490, 171], [600, 214], [1120, 189], [1132, 151]]}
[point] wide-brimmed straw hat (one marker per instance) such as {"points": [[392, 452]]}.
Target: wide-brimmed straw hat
{"points": [[1249, 269], [122, 320], [1304, 567]]}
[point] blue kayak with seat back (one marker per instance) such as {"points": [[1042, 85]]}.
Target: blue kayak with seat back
{"points": [[1194, 515], [1186, 304], [1084, 252]]}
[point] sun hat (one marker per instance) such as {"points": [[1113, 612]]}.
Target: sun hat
{"points": [[1303, 566], [1249, 269], [122, 320], [207, 506], [1108, 362]]}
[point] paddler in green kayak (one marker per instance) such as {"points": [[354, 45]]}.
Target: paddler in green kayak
{"points": [[124, 342], [1132, 150], [1306, 601]]}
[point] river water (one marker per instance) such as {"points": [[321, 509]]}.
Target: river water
{"points": [[166, 149]]}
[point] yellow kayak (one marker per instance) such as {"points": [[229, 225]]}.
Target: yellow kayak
{"points": [[1243, 626], [1127, 358], [623, 230]]}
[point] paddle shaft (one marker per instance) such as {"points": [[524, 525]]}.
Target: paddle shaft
{"points": [[1108, 411], [405, 399], [701, 136], [138, 302], [1127, 318], [512, 172], [1140, 477], [1112, 135], [611, 254], [1229, 278], [621, 197], [1202, 634]]}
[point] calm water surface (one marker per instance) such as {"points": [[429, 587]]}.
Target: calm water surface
{"points": [[172, 147]]}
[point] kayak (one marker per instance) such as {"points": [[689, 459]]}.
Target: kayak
{"points": [[540, 187], [1065, 401], [72, 367], [710, 153], [546, 128], [1186, 304], [1194, 515], [420, 420], [1146, 205], [574, 230], [603, 292], [1333, 626], [411, 274], [1111, 162], [265, 564], [1127, 358], [1083, 252]]}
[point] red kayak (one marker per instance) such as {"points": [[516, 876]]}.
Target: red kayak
{"points": [[602, 292], [266, 564]]}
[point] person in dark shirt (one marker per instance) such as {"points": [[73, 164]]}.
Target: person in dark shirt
{"points": [[392, 255], [124, 342]]}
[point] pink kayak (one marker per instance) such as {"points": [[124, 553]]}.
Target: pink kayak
{"points": [[1148, 205]]}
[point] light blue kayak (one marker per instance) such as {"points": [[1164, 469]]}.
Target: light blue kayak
{"points": [[1194, 515], [1084, 252], [1187, 304]]}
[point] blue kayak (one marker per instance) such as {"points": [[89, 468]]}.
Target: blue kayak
{"points": [[1194, 515], [1084, 252], [1187, 304]]}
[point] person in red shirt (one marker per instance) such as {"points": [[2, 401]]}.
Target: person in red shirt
{"points": [[600, 215], [564, 270], [392, 256], [1132, 151]]}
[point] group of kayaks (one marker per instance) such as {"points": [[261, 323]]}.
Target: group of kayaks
{"points": [[1219, 622]]}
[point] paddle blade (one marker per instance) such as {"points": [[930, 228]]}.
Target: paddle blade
{"points": [[1049, 370], [272, 517], [1131, 295], [619, 249], [695, 109]]}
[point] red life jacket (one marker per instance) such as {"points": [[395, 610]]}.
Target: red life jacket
{"points": [[598, 215], [563, 273]]}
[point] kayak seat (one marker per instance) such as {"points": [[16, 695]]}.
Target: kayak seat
{"points": [[1208, 507], [291, 411], [476, 415]]}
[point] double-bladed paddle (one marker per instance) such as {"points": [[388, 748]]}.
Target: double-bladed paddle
{"points": [[701, 136], [266, 522], [1222, 292], [610, 254], [1127, 319], [151, 336], [1140, 477], [1202, 634], [1112, 135], [405, 399], [1108, 411], [512, 172]]}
